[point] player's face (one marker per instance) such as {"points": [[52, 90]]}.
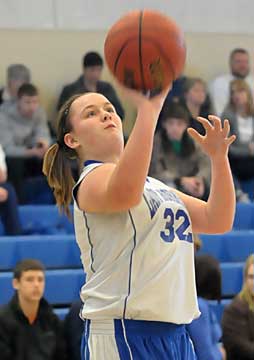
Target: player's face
{"points": [[28, 105], [31, 285], [93, 73], [197, 94], [175, 128], [240, 65], [250, 279], [96, 128]]}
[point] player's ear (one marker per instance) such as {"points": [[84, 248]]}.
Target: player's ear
{"points": [[71, 141]]}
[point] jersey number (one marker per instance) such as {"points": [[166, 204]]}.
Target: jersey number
{"points": [[168, 234]]}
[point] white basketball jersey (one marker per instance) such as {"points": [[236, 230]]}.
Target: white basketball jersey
{"points": [[139, 263]]}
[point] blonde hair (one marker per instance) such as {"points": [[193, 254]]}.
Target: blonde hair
{"points": [[57, 160], [245, 293], [241, 85]]}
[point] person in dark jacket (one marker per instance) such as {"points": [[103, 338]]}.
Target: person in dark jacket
{"points": [[238, 319], [90, 81], [29, 330], [74, 327]]}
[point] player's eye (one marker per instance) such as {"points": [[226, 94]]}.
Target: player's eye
{"points": [[91, 113], [110, 109]]}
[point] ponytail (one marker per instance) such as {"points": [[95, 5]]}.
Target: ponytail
{"points": [[57, 168], [57, 161]]}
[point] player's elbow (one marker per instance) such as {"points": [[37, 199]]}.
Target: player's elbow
{"points": [[222, 227]]}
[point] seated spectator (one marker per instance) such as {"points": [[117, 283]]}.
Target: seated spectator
{"points": [[205, 332], [90, 81], [176, 159], [8, 201], [74, 327], [17, 75], [196, 102], [29, 329], [240, 113], [24, 135], [219, 88], [238, 319]]}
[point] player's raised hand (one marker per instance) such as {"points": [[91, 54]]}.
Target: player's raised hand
{"points": [[216, 141]]}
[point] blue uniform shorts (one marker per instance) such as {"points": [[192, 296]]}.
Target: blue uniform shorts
{"points": [[135, 340]]}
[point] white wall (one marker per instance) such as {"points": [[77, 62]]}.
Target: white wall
{"points": [[212, 16]]}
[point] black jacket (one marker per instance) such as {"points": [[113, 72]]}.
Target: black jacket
{"points": [[19, 340], [103, 88]]}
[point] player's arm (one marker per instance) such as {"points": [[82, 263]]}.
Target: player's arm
{"points": [[117, 187], [217, 214]]}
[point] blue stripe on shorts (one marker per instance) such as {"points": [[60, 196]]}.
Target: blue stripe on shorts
{"points": [[84, 349]]}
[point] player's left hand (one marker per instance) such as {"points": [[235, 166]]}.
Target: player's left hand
{"points": [[216, 141]]}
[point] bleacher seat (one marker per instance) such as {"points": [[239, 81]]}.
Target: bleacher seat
{"points": [[232, 278], [61, 312], [54, 251], [62, 286], [234, 246], [244, 217], [43, 219]]}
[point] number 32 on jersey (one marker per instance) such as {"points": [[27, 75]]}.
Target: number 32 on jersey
{"points": [[171, 229]]}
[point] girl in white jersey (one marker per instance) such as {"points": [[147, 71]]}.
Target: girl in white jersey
{"points": [[135, 233]]}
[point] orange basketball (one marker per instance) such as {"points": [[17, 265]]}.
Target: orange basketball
{"points": [[145, 50]]}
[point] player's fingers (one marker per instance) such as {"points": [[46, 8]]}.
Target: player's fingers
{"points": [[208, 127], [216, 122], [230, 140], [226, 128], [195, 135]]}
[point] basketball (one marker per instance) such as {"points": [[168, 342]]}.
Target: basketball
{"points": [[145, 50]]}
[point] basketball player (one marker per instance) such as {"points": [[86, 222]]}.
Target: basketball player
{"points": [[135, 234]]}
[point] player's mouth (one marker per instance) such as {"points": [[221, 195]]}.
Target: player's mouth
{"points": [[110, 125]]}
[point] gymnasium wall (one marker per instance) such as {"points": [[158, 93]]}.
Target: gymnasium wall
{"points": [[51, 36]]}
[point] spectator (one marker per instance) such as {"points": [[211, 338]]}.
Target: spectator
{"points": [[196, 102], [239, 63], [17, 75], [24, 135], [8, 201], [238, 319], [29, 329], [176, 159], [205, 331], [90, 81], [74, 328], [240, 112]]}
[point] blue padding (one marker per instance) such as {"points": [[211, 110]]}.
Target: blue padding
{"points": [[235, 246], [61, 313], [55, 251], [44, 219], [244, 216], [62, 286], [232, 278], [218, 307]]}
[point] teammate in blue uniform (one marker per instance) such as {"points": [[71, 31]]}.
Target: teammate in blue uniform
{"points": [[135, 233]]}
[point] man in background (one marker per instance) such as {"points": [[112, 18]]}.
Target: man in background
{"points": [[28, 327], [90, 81]]}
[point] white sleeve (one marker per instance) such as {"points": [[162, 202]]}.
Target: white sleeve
{"points": [[3, 166], [219, 92]]}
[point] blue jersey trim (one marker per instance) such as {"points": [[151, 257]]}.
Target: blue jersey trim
{"points": [[84, 348], [89, 162], [130, 266], [90, 242]]}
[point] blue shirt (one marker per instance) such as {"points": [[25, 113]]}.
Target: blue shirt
{"points": [[205, 333]]}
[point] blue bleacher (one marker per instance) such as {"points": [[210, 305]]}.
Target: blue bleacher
{"points": [[62, 286], [43, 219], [235, 246], [54, 251]]}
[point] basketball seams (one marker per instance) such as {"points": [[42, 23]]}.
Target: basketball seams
{"points": [[119, 55]]}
